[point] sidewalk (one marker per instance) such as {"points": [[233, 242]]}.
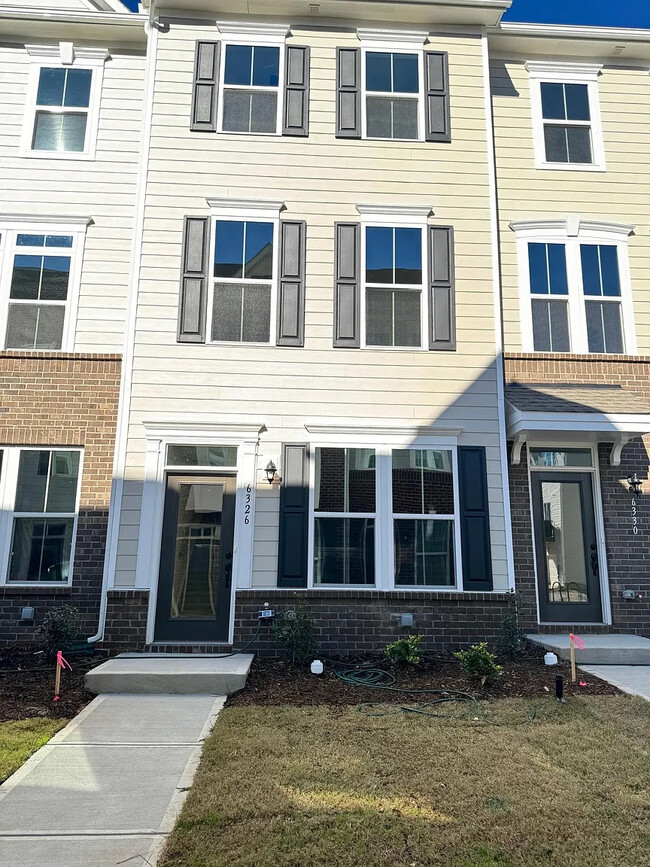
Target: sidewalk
{"points": [[106, 790], [634, 679]]}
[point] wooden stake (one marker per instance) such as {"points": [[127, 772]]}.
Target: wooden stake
{"points": [[573, 660], [57, 682]]}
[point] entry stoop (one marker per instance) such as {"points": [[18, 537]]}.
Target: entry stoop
{"points": [[605, 649], [170, 674]]}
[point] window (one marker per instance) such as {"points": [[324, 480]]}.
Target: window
{"points": [[566, 115], [545, 458], [41, 496], [251, 89], [244, 280], [63, 101], [39, 285], [385, 517], [392, 94], [201, 456], [577, 288]]}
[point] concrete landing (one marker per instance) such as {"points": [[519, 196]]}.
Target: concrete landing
{"points": [[633, 679], [145, 673], [606, 649]]}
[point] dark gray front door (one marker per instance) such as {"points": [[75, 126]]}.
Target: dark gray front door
{"points": [[195, 578], [566, 548]]}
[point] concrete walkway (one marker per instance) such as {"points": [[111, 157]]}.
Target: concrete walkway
{"points": [[107, 789], [634, 679]]}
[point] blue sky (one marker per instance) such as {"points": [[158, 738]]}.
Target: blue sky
{"points": [[612, 13]]}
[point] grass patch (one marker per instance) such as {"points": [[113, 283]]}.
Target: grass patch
{"points": [[288, 787], [20, 738]]}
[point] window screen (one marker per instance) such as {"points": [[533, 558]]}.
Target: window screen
{"points": [[392, 95], [61, 117], [548, 277], [567, 123], [251, 85]]}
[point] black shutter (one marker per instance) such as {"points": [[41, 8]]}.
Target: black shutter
{"points": [[296, 91], [442, 293], [194, 280], [294, 516], [204, 97], [347, 264], [438, 122], [348, 93], [474, 518], [291, 298]]}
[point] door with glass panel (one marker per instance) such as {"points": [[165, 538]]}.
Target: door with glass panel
{"points": [[195, 579], [566, 547]]}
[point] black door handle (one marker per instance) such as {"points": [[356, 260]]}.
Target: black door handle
{"points": [[594, 563], [228, 575]]}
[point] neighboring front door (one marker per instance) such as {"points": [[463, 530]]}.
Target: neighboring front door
{"points": [[566, 548], [195, 577]]}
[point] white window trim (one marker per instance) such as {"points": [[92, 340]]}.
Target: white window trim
{"points": [[10, 228], [251, 212], [267, 35], [558, 72], [8, 494], [405, 217], [397, 42], [67, 56], [325, 436], [572, 232]]}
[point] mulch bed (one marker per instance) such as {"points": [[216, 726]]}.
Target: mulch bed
{"points": [[277, 682], [27, 685]]}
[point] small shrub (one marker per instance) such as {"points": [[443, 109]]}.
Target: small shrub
{"points": [[479, 662], [59, 627], [294, 632], [513, 638], [405, 650]]}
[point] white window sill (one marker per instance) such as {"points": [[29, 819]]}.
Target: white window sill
{"points": [[57, 155], [379, 138], [572, 167], [242, 132]]}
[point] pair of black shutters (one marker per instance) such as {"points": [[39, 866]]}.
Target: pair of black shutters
{"points": [[473, 513], [195, 284], [295, 121]]}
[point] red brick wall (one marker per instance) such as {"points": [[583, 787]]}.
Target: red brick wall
{"points": [[63, 400]]}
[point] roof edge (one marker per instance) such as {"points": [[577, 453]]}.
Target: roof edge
{"points": [[570, 31]]}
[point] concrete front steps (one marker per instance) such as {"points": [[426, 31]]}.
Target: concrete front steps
{"points": [[170, 674], [600, 649]]}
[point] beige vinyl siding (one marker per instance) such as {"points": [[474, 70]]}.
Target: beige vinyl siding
{"points": [[102, 189], [620, 194], [320, 179]]}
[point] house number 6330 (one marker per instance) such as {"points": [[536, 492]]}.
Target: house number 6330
{"points": [[635, 527], [247, 505]]}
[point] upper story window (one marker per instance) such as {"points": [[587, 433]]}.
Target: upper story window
{"points": [[392, 94], [63, 101], [567, 127], [39, 279], [575, 288]]}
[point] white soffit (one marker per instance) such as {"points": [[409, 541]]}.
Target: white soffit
{"points": [[622, 44]]}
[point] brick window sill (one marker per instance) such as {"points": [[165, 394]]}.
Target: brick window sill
{"points": [[28, 590]]}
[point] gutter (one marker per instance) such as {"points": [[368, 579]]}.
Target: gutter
{"points": [[570, 31], [123, 19]]}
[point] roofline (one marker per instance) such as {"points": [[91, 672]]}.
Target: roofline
{"points": [[570, 31], [124, 19]]}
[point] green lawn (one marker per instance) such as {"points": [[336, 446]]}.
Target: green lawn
{"points": [[20, 738], [300, 787]]}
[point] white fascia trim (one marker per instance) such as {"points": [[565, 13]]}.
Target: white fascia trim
{"points": [[250, 207], [520, 421], [123, 17], [253, 33], [62, 224], [571, 31], [563, 70], [83, 54], [388, 212], [371, 434], [572, 225], [405, 39], [241, 431]]}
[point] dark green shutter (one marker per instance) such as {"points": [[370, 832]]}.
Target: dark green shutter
{"points": [[204, 96], [294, 516], [348, 93], [438, 121], [442, 294], [291, 295], [474, 518], [193, 300], [347, 289], [296, 91]]}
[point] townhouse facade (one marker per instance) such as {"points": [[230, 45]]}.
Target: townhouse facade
{"points": [[369, 284]]}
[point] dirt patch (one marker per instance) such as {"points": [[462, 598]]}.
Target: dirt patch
{"points": [[276, 682], [27, 685]]}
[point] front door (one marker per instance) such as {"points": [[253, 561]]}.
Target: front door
{"points": [[195, 577], [566, 548]]}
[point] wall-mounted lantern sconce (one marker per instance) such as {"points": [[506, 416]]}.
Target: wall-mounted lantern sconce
{"points": [[272, 473], [635, 484]]}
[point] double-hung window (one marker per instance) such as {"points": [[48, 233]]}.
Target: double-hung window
{"points": [[566, 115], [392, 94], [40, 495], [384, 517], [576, 290], [39, 285]]}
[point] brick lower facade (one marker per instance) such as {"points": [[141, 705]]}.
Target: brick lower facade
{"points": [[126, 620], [628, 554], [59, 399]]}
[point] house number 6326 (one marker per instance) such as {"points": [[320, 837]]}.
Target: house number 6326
{"points": [[247, 505]]}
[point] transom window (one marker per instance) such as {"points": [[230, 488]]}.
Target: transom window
{"points": [[244, 281], [414, 517], [61, 114], [40, 493], [392, 94], [394, 287], [251, 88]]}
